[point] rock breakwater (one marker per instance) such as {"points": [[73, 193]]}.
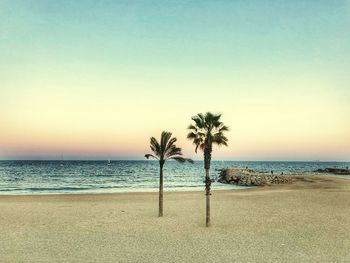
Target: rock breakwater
{"points": [[248, 177], [339, 171]]}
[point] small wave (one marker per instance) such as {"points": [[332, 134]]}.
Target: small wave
{"points": [[35, 189]]}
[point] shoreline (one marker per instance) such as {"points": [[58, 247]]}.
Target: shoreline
{"points": [[153, 191], [125, 193]]}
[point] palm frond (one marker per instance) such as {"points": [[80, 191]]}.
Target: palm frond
{"points": [[164, 138], [155, 147], [192, 135], [219, 139], [181, 159], [223, 128], [170, 144], [196, 149], [199, 120], [208, 117], [192, 127], [151, 156], [172, 152]]}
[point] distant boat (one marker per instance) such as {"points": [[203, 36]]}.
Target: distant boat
{"points": [[61, 160], [109, 162]]}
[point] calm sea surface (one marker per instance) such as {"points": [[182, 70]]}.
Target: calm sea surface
{"points": [[55, 177]]}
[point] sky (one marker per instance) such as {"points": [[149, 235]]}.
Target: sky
{"points": [[92, 79]]}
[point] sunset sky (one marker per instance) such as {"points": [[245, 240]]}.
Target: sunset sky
{"points": [[90, 79]]}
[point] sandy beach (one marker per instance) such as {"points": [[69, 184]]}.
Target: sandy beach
{"points": [[307, 221]]}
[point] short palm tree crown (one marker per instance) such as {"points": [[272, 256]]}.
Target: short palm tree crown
{"points": [[166, 149]]}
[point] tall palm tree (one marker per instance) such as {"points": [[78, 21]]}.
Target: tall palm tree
{"points": [[165, 150], [206, 131]]}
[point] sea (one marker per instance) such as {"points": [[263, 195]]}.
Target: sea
{"points": [[80, 177]]}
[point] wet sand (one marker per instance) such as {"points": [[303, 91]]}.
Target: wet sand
{"points": [[307, 221]]}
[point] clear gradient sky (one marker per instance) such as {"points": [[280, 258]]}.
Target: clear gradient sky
{"points": [[95, 78]]}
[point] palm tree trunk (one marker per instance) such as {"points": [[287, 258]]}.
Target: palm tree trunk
{"points": [[207, 193], [207, 158], [161, 192]]}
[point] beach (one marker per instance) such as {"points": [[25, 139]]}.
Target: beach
{"points": [[307, 221]]}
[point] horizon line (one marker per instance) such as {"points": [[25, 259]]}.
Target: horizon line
{"points": [[196, 160]]}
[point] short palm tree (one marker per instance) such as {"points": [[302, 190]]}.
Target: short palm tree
{"points": [[206, 131], [165, 150]]}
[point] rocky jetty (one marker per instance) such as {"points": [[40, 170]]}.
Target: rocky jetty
{"points": [[340, 171], [248, 177]]}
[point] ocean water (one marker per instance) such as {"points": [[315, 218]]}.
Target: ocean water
{"points": [[56, 177]]}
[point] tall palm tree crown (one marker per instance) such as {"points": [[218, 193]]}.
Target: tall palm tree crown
{"points": [[206, 131]]}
